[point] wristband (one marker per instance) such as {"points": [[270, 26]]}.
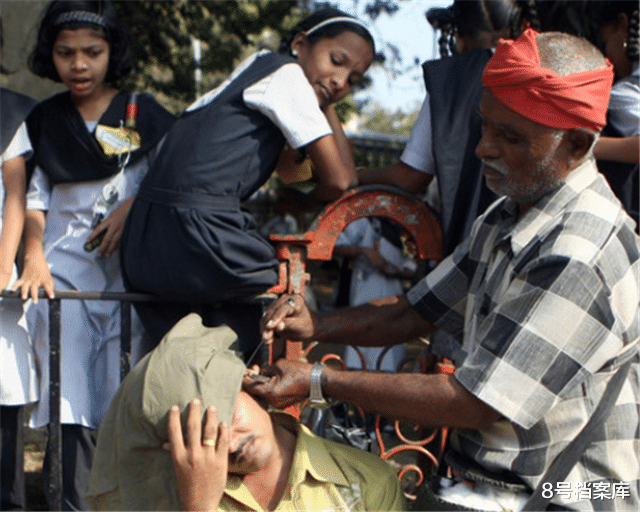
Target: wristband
{"points": [[315, 387]]}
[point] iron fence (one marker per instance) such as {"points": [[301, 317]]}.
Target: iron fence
{"points": [[293, 252]]}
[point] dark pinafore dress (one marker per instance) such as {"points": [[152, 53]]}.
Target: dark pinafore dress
{"points": [[455, 88], [187, 239]]}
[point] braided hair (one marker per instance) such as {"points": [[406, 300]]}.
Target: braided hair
{"points": [[470, 17], [605, 12]]}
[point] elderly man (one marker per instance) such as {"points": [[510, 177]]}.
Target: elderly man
{"points": [[543, 297], [254, 460]]}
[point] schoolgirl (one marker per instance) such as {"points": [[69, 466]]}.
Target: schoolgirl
{"points": [[91, 151], [379, 265], [18, 380], [447, 130], [187, 239], [617, 148]]}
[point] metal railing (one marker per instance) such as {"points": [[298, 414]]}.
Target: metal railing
{"points": [[54, 445], [417, 220], [374, 149]]}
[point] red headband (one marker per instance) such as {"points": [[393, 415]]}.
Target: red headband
{"points": [[579, 100]]}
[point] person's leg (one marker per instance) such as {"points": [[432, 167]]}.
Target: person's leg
{"points": [[12, 488], [158, 318], [244, 319], [78, 449]]}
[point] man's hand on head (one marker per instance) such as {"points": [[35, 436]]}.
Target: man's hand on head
{"points": [[200, 456]]}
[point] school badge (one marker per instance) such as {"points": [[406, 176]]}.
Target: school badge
{"points": [[123, 139]]}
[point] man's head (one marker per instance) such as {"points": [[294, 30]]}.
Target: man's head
{"points": [[545, 100], [131, 470], [252, 437]]}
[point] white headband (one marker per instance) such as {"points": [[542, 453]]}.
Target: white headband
{"points": [[339, 19], [81, 17]]}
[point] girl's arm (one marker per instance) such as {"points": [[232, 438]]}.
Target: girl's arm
{"points": [[398, 175], [618, 149], [14, 179], [36, 273], [345, 148], [332, 158], [352, 251]]}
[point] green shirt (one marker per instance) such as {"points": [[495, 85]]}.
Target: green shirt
{"points": [[325, 475]]}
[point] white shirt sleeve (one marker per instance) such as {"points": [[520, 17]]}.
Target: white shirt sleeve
{"points": [[39, 193], [19, 145], [356, 233], [418, 153], [624, 108], [286, 97]]}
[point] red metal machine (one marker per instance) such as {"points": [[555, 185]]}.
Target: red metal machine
{"points": [[421, 225]]}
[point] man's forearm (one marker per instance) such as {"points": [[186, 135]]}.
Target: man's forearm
{"points": [[382, 322], [433, 400]]}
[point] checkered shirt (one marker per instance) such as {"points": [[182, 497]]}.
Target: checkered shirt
{"points": [[546, 308]]}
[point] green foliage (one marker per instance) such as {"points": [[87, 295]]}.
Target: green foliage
{"points": [[162, 33], [379, 119], [163, 61]]}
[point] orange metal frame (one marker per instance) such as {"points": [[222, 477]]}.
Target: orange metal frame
{"points": [[420, 224]]}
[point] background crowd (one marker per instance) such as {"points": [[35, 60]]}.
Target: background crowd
{"points": [[104, 189]]}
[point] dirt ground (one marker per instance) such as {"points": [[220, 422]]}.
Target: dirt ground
{"points": [[33, 456]]}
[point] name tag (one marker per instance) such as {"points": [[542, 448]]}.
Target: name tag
{"points": [[115, 141]]}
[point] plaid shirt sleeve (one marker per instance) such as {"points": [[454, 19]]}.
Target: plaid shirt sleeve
{"points": [[441, 296], [552, 328], [544, 317]]}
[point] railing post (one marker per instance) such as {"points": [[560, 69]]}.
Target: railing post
{"points": [[55, 429], [125, 338]]}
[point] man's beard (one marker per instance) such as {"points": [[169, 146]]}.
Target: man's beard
{"points": [[544, 181]]}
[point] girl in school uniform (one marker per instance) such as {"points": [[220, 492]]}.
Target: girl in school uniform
{"points": [[187, 239], [91, 145], [18, 379], [617, 148]]}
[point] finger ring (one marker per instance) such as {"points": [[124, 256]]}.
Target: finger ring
{"points": [[208, 442], [291, 302]]}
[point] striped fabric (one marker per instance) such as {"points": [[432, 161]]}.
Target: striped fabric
{"points": [[546, 307]]}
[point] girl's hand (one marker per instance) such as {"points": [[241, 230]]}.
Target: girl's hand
{"points": [[35, 275], [201, 464], [112, 226], [4, 279], [374, 258]]}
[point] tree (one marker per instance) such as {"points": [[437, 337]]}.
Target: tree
{"points": [[379, 119], [162, 33]]}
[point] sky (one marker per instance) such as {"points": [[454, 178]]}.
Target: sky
{"points": [[409, 30]]}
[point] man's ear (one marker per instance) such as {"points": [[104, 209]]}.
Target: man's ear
{"points": [[579, 144]]}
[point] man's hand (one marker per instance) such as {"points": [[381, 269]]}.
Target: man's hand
{"points": [[201, 463], [288, 317], [288, 383]]}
